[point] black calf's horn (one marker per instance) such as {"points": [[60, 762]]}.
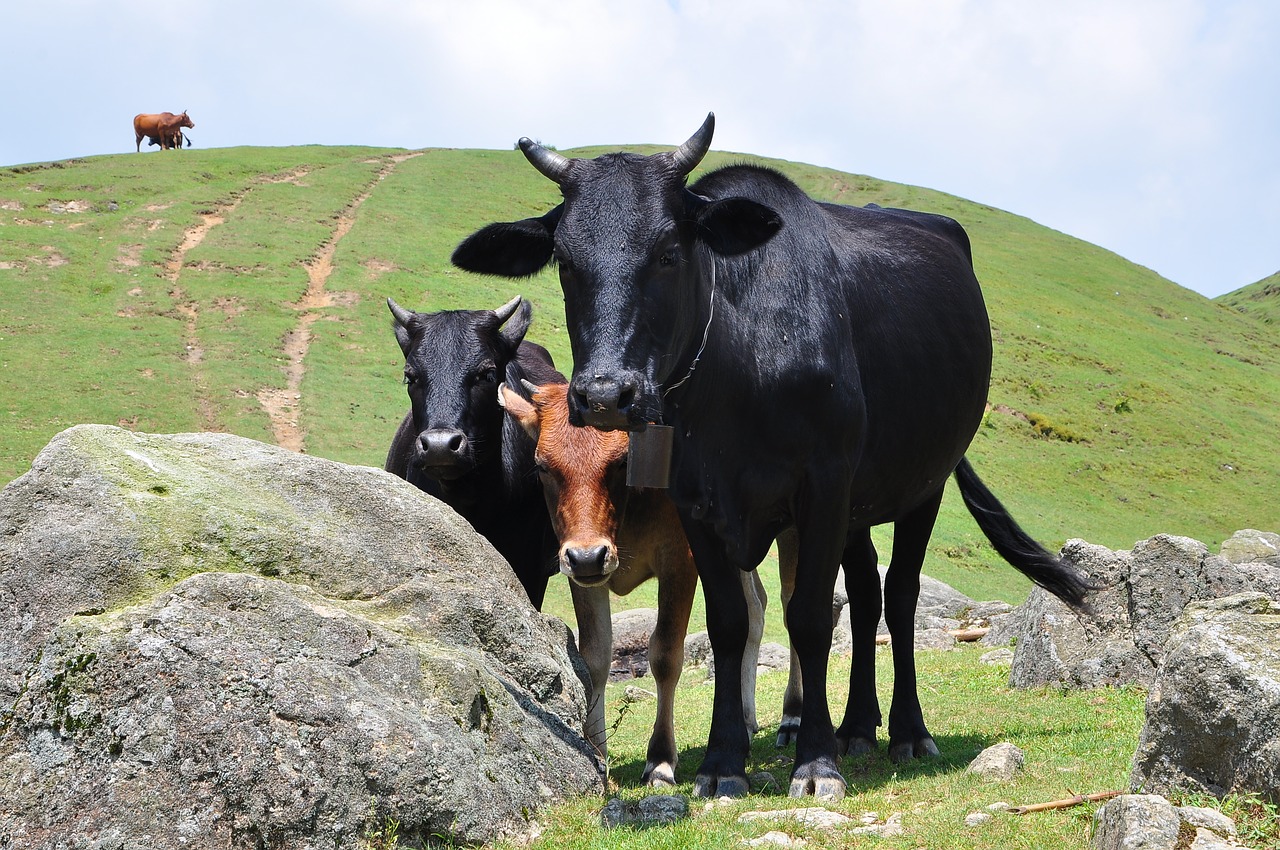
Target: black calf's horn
{"points": [[504, 312], [688, 155], [552, 165], [402, 315]]}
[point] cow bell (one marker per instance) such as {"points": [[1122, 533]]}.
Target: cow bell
{"points": [[649, 457]]}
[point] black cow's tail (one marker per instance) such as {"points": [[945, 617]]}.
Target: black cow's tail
{"points": [[1016, 546]]}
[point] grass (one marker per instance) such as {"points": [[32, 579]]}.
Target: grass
{"points": [[1073, 741]]}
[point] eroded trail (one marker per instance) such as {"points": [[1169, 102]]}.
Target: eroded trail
{"points": [[283, 405], [189, 309]]}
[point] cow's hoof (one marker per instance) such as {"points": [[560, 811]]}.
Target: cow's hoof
{"points": [[907, 750], [858, 745], [705, 785], [818, 779], [788, 730], [660, 775]]}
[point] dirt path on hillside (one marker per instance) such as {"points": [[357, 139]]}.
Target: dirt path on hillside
{"points": [[189, 309], [283, 406]]}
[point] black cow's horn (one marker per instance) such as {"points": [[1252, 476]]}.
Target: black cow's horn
{"points": [[504, 312], [402, 315], [552, 165], [687, 156]]}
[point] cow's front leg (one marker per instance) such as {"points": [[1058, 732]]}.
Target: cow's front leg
{"points": [[723, 772], [676, 588], [595, 643], [821, 531]]}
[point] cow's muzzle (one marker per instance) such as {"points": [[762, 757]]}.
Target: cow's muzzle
{"points": [[444, 453], [606, 402], [589, 564]]}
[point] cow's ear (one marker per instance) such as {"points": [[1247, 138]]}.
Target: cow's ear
{"points": [[519, 408], [510, 249], [735, 225]]}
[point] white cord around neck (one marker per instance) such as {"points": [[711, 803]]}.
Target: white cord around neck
{"points": [[706, 332]]}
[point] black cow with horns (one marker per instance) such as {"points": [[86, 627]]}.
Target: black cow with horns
{"points": [[824, 369], [458, 445]]}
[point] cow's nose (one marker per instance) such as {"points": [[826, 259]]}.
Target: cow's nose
{"points": [[587, 561], [443, 446], [603, 401]]}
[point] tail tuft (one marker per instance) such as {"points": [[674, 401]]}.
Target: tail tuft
{"points": [[1016, 546]]}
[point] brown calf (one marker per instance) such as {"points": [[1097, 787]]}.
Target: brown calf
{"points": [[613, 539]]}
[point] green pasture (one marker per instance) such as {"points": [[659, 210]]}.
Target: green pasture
{"points": [[1122, 406]]}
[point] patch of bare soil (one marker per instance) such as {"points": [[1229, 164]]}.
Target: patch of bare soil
{"points": [[128, 257], [284, 405], [189, 310]]}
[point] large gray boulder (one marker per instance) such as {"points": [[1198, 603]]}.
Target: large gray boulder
{"points": [[1213, 713], [1142, 593], [205, 640]]}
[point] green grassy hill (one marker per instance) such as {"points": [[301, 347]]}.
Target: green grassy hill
{"points": [[206, 289], [1260, 300]]}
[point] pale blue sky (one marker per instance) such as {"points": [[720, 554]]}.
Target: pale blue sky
{"points": [[1149, 127]]}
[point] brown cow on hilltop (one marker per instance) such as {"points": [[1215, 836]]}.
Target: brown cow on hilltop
{"points": [[163, 128]]}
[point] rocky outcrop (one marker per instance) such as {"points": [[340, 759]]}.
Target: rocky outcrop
{"points": [[1142, 593], [1213, 713], [1150, 822], [207, 639]]}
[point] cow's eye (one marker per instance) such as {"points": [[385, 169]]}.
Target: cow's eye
{"points": [[667, 258]]}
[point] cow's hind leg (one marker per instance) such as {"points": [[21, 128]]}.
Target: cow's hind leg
{"points": [[666, 659], [857, 732], [908, 737], [757, 601], [793, 699]]}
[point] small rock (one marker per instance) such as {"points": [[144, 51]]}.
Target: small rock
{"points": [[1207, 839], [763, 780], [815, 816], [697, 649], [999, 807], [774, 838], [977, 818], [1002, 761], [1136, 822], [633, 694], [655, 810], [1208, 818], [774, 656], [997, 656], [935, 639]]}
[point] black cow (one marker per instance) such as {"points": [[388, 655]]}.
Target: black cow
{"points": [[824, 369], [456, 444]]}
